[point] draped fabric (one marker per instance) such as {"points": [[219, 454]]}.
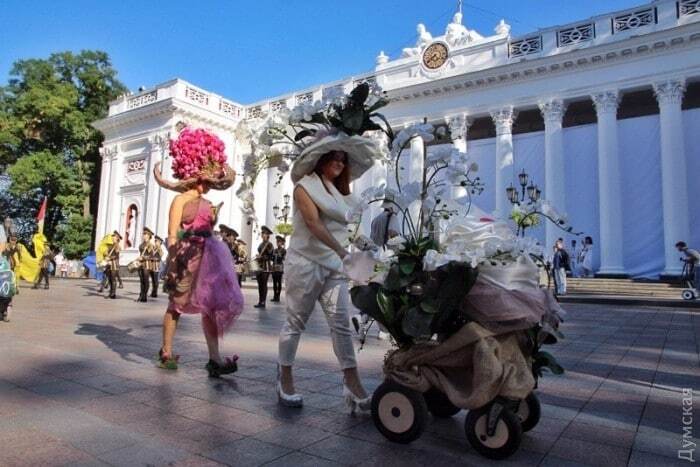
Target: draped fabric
{"points": [[29, 266]]}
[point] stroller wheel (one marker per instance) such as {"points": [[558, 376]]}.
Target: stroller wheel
{"points": [[399, 413], [506, 436], [529, 412], [439, 405], [688, 294]]}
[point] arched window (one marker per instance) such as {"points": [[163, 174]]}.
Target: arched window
{"points": [[132, 217]]}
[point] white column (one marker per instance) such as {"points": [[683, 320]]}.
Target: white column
{"points": [[103, 206], [674, 189], [609, 185], [503, 119], [458, 125], [113, 205], [415, 174], [554, 178]]}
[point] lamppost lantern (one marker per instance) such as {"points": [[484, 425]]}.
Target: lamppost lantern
{"points": [[512, 194], [286, 199], [275, 210], [285, 211], [523, 178], [531, 191], [538, 192]]}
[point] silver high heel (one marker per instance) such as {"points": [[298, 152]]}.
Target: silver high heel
{"points": [[354, 403], [287, 400]]}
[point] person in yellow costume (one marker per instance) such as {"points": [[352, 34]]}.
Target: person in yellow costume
{"points": [[100, 257], [27, 265]]}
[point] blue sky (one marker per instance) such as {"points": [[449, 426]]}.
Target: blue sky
{"points": [[248, 50]]}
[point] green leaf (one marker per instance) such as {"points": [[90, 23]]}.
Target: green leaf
{"points": [[304, 133], [546, 360], [359, 95], [415, 323], [382, 102], [407, 266], [430, 306], [352, 120]]}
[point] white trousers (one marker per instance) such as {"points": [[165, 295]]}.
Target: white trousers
{"points": [[306, 284]]}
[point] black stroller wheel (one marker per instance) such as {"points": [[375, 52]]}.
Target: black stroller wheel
{"points": [[439, 404], [399, 413], [505, 439], [529, 412]]}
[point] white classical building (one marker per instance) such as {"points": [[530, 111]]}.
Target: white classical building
{"points": [[603, 115]]}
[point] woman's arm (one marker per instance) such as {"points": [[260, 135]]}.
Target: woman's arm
{"points": [[174, 219], [309, 212]]}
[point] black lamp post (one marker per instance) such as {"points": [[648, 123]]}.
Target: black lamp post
{"points": [[532, 190], [285, 210]]}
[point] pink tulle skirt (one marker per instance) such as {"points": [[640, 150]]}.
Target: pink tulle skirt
{"points": [[201, 279]]}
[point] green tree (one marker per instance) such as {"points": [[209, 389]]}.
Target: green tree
{"points": [[74, 236], [47, 144]]}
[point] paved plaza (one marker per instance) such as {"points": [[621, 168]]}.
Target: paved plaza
{"points": [[78, 386]]}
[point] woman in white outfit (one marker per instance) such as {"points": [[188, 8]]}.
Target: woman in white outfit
{"points": [[322, 175], [586, 257]]}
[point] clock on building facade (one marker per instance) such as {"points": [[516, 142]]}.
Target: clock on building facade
{"points": [[435, 55]]}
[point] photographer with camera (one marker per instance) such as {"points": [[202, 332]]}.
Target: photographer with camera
{"points": [[692, 261]]}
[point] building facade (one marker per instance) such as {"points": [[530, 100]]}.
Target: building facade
{"points": [[602, 114]]}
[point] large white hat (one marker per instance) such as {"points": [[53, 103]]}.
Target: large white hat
{"points": [[361, 151]]}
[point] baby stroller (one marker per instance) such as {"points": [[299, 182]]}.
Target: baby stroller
{"points": [[687, 275], [487, 362], [489, 375]]}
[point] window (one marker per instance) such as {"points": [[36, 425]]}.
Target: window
{"points": [[131, 227]]}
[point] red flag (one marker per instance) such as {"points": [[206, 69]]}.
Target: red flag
{"points": [[40, 215]]}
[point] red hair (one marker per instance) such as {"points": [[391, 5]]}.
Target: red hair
{"points": [[342, 181]]}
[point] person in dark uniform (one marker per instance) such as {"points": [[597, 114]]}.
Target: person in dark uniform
{"points": [[264, 260], [230, 238], [44, 265], [112, 268], [145, 254], [154, 266], [241, 260], [278, 255]]}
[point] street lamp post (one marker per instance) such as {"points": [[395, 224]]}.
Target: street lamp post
{"points": [[285, 210], [533, 194]]}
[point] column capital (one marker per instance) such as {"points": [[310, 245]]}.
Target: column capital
{"points": [[458, 125], [606, 101], [552, 110], [108, 153], [159, 141], [503, 119], [670, 91]]}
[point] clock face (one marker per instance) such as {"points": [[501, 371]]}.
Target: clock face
{"points": [[435, 55]]}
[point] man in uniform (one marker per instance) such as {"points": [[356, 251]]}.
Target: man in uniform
{"points": [[241, 260], [14, 256], [44, 265], [156, 260], [145, 255], [112, 267], [278, 255], [264, 260]]}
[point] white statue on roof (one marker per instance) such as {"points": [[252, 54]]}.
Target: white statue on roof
{"points": [[424, 38], [457, 34]]}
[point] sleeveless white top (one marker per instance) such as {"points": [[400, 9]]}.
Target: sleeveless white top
{"points": [[332, 208]]}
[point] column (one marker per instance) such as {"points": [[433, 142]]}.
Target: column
{"points": [[415, 174], [609, 185], [103, 203], [458, 125], [554, 178], [674, 189], [503, 119]]}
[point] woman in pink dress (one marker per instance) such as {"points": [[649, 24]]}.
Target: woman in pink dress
{"points": [[199, 278]]}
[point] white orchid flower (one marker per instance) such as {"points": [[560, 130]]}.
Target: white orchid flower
{"points": [[398, 242]]}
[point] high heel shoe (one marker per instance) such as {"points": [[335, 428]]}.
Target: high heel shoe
{"points": [[215, 370], [354, 403], [287, 400]]}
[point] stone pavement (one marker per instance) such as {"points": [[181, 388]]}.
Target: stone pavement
{"points": [[78, 386]]}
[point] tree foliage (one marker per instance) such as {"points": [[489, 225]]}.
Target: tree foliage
{"points": [[47, 144]]}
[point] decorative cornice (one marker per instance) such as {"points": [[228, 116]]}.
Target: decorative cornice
{"points": [[569, 62], [670, 91], [552, 110], [503, 119], [606, 101]]}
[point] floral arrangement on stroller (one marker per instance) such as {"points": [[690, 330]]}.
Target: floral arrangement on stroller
{"points": [[458, 291]]}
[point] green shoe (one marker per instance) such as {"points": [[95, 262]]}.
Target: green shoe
{"points": [[167, 362]]}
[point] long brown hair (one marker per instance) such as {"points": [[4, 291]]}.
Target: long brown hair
{"points": [[342, 181]]}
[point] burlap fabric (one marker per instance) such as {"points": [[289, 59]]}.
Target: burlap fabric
{"points": [[471, 367]]}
